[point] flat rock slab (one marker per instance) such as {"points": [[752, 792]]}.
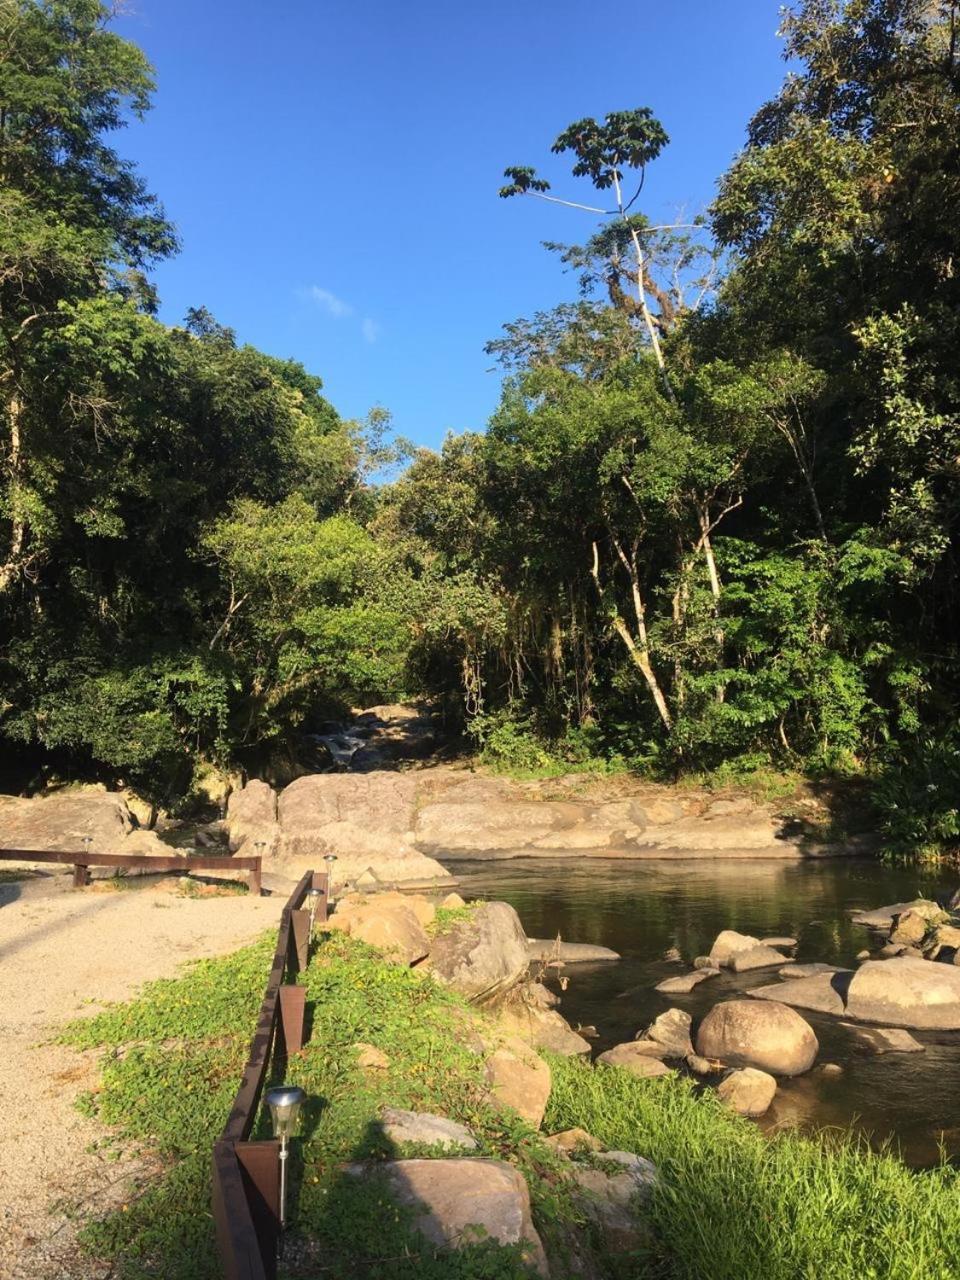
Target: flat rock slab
{"points": [[906, 992], [630, 1057], [686, 982], [794, 971], [758, 957], [568, 952], [883, 917], [463, 1201], [426, 1129], [885, 1039], [780, 941], [819, 993]]}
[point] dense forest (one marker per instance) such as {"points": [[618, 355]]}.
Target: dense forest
{"points": [[712, 524]]}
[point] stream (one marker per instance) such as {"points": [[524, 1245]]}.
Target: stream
{"points": [[641, 909]]}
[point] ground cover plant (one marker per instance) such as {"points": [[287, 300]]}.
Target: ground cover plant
{"points": [[735, 1204], [172, 1060], [732, 1204]]}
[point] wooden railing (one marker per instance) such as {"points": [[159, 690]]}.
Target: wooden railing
{"points": [[83, 861], [246, 1175]]}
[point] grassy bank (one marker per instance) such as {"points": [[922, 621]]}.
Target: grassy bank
{"points": [[732, 1204]]}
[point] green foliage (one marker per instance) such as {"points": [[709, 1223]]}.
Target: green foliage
{"points": [[802, 1206], [172, 1065]]}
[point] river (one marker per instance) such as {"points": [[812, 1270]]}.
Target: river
{"points": [[642, 909]]}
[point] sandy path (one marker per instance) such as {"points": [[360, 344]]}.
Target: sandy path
{"points": [[60, 949]]}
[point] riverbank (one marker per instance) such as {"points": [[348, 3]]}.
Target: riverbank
{"points": [[727, 1202]]}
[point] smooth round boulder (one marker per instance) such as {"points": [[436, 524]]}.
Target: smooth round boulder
{"points": [[748, 1091], [755, 1033]]}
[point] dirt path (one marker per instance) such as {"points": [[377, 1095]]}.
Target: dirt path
{"points": [[62, 953]]}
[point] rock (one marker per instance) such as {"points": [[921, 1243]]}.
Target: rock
{"points": [[519, 1079], [482, 956], [672, 955], [823, 993], [452, 902], [462, 1201], [890, 949], [948, 935], [672, 1030], [630, 1057], [909, 928], [384, 922], [883, 917], [685, 984], [758, 957], [368, 881], [571, 1140], [252, 819], [59, 822], [568, 952], [864, 955], [757, 1033], [784, 942], [610, 1201], [703, 962], [702, 1066], [364, 819], [479, 827], [794, 971], [906, 992], [730, 943], [370, 1058], [748, 1091], [884, 1039], [652, 1048], [425, 1129], [830, 1070], [543, 1028]]}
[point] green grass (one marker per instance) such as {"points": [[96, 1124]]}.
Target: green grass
{"points": [[736, 1205], [172, 1063], [732, 1203]]}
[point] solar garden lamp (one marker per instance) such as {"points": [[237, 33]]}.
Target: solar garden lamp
{"points": [[315, 896], [284, 1102], [330, 859]]}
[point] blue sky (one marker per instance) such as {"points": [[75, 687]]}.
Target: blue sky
{"points": [[332, 167]]}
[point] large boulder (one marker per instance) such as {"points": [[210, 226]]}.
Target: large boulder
{"points": [[60, 821], [611, 1198], [463, 1201], [906, 992], [755, 1033], [483, 955], [365, 820], [384, 921], [252, 819], [748, 1091], [478, 827], [883, 917]]}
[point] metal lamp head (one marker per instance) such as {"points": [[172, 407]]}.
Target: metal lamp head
{"points": [[285, 1103], [314, 895], [330, 859]]}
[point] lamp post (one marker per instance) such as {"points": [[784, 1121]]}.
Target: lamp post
{"points": [[284, 1102], [329, 859]]}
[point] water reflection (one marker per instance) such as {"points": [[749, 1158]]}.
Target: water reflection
{"points": [[642, 909]]}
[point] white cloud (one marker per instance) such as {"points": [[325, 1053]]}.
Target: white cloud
{"points": [[370, 329], [333, 305]]}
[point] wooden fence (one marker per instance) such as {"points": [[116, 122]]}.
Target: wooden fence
{"points": [[82, 862], [246, 1175]]}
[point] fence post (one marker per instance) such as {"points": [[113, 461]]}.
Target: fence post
{"points": [[300, 933], [293, 1007], [260, 1166]]}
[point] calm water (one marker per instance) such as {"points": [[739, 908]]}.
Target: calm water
{"points": [[642, 909]]}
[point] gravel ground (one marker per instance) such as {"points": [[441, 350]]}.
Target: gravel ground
{"points": [[64, 952]]}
